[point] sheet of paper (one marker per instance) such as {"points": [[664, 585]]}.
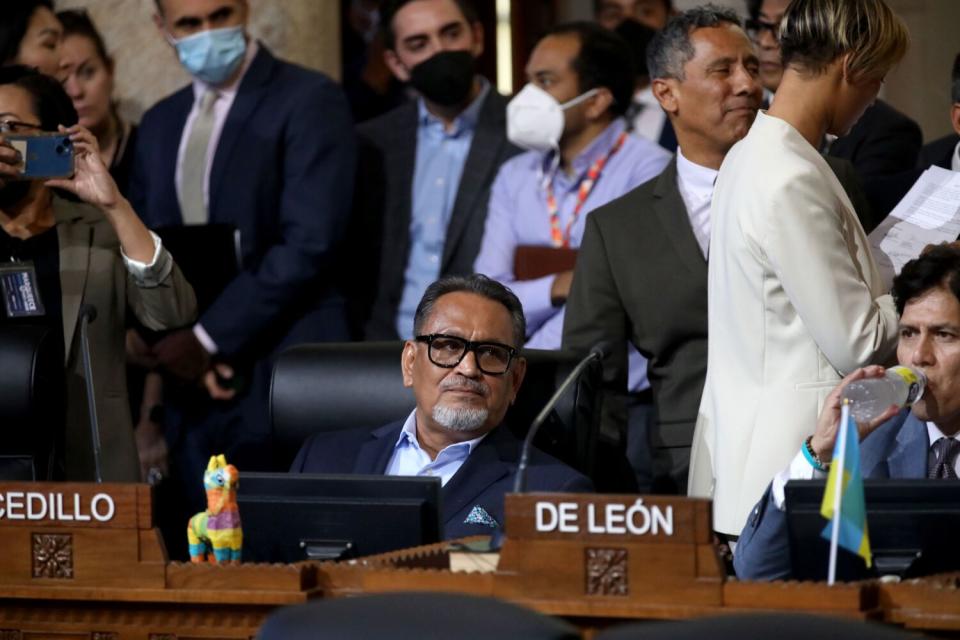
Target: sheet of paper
{"points": [[928, 214]]}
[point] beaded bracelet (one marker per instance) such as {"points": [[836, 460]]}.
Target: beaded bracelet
{"points": [[812, 457]]}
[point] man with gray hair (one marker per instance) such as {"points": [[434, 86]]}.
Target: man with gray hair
{"points": [[465, 369], [705, 75]]}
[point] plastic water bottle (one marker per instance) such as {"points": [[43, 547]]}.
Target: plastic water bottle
{"points": [[870, 397]]}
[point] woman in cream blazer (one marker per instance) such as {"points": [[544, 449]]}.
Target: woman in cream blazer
{"points": [[795, 299]]}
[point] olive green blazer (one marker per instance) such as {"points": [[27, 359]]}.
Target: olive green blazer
{"points": [[92, 272]]}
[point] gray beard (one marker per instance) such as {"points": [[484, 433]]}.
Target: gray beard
{"points": [[461, 420]]}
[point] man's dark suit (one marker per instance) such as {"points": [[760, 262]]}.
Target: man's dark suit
{"points": [[388, 152], [484, 478], [282, 174], [938, 153], [883, 144], [641, 276], [896, 450]]}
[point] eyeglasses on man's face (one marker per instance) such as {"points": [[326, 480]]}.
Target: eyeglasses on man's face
{"points": [[493, 358], [755, 29]]}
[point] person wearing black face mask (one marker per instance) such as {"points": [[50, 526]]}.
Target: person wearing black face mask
{"points": [[425, 168]]}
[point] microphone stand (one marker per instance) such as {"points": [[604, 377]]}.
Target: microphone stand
{"points": [[88, 313], [520, 481]]}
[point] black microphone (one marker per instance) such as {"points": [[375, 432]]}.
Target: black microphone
{"points": [[598, 352], [88, 313]]}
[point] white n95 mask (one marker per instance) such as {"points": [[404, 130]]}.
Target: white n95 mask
{"points": [[535, 118]]}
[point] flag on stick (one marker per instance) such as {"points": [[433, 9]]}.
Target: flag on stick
{"points": [[843, 502]]}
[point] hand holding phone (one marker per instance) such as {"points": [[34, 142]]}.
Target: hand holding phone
{"points": [[10, 161], [43, 155]]}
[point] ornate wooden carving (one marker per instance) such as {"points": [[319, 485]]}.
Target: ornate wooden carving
{"points": [[606, 571], [53, 555], [104, 635], [10, 634]]}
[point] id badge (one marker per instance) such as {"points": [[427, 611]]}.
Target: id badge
{"points": [[21, 293]]}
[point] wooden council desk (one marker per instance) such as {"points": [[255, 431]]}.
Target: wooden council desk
{"points": [[84, 561]]}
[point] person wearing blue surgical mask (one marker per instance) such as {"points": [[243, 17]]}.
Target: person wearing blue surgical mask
{"points": [[265, 148], [208, 35]]}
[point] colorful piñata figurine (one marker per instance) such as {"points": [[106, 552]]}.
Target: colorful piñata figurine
{"points": [[215, 534]]}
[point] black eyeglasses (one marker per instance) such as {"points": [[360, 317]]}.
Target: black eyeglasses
{"points": [[15, 126], [446, 351], [755, 29]]}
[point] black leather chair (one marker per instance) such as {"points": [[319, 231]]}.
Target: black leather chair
{"points": [[413, 616], [325, 387], [31, 400]]}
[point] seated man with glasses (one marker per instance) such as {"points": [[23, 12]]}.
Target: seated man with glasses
{"points": [[465, 370]]}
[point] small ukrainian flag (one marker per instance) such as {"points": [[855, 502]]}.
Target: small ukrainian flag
{"points": [[843, 502]]}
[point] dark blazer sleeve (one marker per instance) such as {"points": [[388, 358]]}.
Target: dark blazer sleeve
{"points": [[595, 313], [315, 178]]}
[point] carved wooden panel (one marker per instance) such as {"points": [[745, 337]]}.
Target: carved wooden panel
{"points": [[104, 635], [10, 634], [606, 572], [52, 555]]}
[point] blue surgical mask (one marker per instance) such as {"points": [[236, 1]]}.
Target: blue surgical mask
{"points": [[212, 56]]}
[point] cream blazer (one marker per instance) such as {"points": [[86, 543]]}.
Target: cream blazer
{"points": [[794, 301]]}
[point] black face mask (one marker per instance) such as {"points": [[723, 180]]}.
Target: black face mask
{"points": [[13, 192], [445, 78]]}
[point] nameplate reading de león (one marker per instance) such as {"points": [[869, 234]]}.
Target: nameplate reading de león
{"points": [[56, 506], [610, 518]]}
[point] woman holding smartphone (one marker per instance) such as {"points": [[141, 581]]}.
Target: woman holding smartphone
{"points": [[97, 253], [795, 299]]}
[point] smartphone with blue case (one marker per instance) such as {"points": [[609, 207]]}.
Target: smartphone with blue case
{"points": [[45, 155]]}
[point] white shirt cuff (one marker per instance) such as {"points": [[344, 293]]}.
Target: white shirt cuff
{"points": [[156, 271], [799, 469], [204, 338]]}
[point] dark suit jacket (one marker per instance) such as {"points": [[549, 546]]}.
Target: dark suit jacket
{"points": [[939, 152], [482, 481], [641, 277], [883, 147], [382, 209], [882, 142], [281, 174], [896, 450]]}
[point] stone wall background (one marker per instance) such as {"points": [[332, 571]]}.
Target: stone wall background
{"points": [[304, 31]]}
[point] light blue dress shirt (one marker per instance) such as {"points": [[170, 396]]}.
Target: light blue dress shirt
{"points": [[409, 459], [441, 155], [518, 215]]}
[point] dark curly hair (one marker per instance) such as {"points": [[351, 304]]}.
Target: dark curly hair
{"points": [[937, 266]]}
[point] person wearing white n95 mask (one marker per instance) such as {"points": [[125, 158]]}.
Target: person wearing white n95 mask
{"points": [[535, 118], [580, 156]]}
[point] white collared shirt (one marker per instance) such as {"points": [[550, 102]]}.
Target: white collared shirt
{"points": [[649, 122], [955, 163], [934, 433], [695, 184], [221, 108], [409, 459]]}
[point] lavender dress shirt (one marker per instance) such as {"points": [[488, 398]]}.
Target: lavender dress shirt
{"points": [[518, 216]]}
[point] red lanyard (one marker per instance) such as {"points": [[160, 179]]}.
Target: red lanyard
{"points": [[560, 237]]}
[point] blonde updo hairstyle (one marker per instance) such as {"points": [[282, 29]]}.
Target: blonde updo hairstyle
{"points": [[814, 33]]}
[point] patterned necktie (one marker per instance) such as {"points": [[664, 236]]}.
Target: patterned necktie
{"points": [[194, 167], [941, 460]]}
